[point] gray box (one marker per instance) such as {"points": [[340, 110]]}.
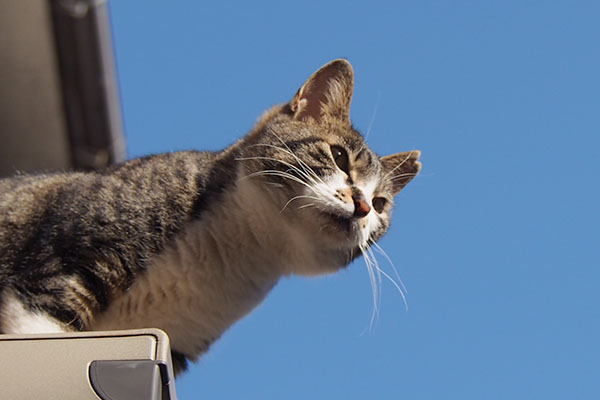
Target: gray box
{"points": [[114, 365]]}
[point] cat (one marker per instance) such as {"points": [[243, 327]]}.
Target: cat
{"points": [[191, 241]]}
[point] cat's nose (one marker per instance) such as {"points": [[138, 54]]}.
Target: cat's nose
{"points": [[361, 208]]}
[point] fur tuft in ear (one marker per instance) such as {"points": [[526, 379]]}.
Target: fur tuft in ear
{"points": [[401, 168], [327, 93]]}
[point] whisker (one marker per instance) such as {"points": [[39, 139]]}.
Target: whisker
{"points": [[319, 187], [273, 172], [404, 175], [373, 117], [296, 198], [380, 250], [291, 166], [277, 185], [310, 174], [378, 270], [373, 280], [401, 288], [308, 205], [287, 149], [397, 287], [370, 126], [398, 166]]}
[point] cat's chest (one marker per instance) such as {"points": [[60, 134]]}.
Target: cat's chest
{"points": [[194, 290], [213, 273]]}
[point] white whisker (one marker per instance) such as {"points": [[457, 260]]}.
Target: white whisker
{"points": [[370, 126], [307, 205], [380, 250], [287, 149], [404, 175], [397, 166], [291, 166], [273, 172], [372, 117], [378, 270], [296, 198], [374, 289], [401, 288], [397, 287]]}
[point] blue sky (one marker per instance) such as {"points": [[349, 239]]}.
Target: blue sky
{"points": [[496, 240]]}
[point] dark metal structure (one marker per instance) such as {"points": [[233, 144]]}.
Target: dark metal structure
{"points": [[59, 100]]}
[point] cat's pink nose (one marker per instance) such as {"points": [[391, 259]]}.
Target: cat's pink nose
{"points": [[361, 208]]}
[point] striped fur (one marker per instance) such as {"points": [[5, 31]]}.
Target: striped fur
{"points": [[192, 241]]}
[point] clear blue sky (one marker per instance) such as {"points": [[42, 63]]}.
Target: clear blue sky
{"points": [[497, 240]]}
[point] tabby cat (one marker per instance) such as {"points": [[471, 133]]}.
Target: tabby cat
{"points": [[191, 241]]}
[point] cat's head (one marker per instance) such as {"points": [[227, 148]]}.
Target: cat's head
{"points": [[319, 172]]}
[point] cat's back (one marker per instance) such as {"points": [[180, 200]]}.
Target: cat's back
{"points": [[127, 209], [138, 180]]}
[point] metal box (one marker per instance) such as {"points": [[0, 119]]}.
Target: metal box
{"points": [[114, 365]]}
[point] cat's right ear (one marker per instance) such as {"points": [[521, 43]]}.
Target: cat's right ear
{"points": [[327, 93]]}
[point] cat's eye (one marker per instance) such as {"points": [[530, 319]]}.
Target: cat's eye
{"points": [[379, 204], [340, 156]]}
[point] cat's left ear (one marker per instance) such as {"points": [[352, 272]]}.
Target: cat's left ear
{"points": [[401, 168], [327, 93]]}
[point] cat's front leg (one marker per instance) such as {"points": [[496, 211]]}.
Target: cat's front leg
{"points": [[19, 318]]}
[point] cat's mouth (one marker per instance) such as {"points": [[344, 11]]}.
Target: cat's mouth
{"points": [[345, 224], [340, 220]]}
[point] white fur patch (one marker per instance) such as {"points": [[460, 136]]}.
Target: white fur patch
{"points": [[207, 279], [16, 319], [373, 219], [326, 193], [368, 188]]}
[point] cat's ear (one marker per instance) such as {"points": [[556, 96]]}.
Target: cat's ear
{"points": [[401, 168], [327, 93]]}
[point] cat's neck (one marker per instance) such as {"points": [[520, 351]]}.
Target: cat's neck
{"points": [[267, 234]]}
